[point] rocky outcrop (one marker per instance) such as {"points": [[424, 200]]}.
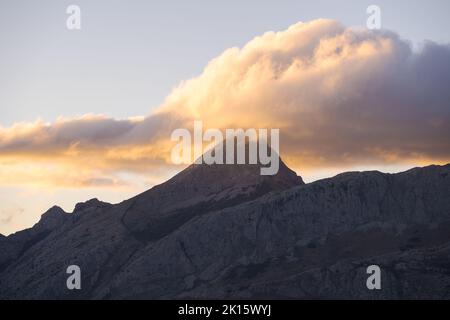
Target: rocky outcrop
{"points": [[227, 232]]}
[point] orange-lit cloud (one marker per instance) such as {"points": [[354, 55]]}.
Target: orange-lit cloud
{"points": [[342, 98]]}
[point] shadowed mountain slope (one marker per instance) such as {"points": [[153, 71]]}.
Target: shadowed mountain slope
{"points": [[224, 231]]}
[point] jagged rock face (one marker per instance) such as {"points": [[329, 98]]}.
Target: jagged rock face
{"points": [[198, 190], [224, 232], [12, 247]]}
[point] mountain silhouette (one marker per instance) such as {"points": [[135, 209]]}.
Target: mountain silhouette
{"points": [[225, 231]]}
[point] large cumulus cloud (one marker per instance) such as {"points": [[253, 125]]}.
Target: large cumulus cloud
{"points": [[342, 97]]}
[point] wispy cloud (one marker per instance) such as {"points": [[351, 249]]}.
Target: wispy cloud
{"points": [[7, 214]]}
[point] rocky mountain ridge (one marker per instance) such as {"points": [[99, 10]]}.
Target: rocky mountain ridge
{"points": [[227, 232]]}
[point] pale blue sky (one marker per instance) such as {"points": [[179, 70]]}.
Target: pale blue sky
{"points": [[129, 54]]}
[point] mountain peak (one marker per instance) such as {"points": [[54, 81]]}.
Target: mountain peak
{"points": [[202, 188], [53, 211], [90, 204], [203, 234], [221, 176], [52, 217]]}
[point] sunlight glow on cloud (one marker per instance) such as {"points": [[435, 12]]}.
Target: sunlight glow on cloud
{"points": [[342, 97]]}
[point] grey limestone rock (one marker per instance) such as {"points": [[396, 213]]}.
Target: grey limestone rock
{"points": [[224, 231]]}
